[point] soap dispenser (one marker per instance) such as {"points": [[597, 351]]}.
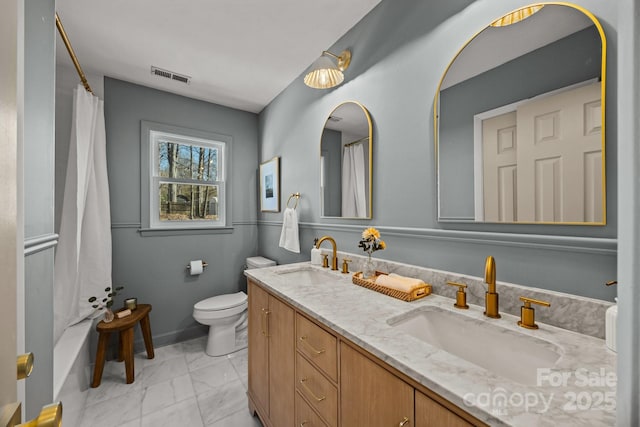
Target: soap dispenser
{"points": [[611, 323], [316, 257]]}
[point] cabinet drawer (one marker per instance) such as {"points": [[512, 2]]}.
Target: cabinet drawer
{"points": [[318, 390], [429, 413], [318, 345], [305, 416]]}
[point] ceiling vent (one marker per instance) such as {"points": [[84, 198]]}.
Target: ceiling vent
{"points": [[335, 119], [170, 75]]}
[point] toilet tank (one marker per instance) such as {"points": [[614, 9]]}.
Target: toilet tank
{"points": [[259, 262]]}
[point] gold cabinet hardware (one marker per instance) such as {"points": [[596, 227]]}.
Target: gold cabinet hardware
{"points": [[303, 423], [265, 322], [345, 265], [461, 295], [303, 339], [25, 365], [404, 422], [325, 260], [491, 296], [527, 313], [611, 282], [303, 382]]}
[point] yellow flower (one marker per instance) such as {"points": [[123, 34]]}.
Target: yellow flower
{"points": [[370, 234], [382, 245]]}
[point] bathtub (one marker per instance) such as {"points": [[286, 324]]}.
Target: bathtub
{"points": [[72, 371]]}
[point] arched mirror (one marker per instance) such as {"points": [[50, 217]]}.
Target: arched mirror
{"points": [[346, 162], [520, 119]]}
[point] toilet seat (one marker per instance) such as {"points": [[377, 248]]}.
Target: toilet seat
{"points": [[221, 302], [220, 307]]}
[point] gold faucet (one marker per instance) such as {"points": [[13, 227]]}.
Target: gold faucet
{"points": [[334, 259], [491, 296]]}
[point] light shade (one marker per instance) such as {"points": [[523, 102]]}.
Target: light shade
{"points": [[517, 16], [324, 73]]}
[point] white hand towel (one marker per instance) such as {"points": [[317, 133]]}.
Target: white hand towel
{"points": [[289, 238]]}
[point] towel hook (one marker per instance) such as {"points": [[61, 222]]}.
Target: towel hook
{"points": [[296, 196]]}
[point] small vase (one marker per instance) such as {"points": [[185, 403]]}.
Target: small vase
{"points": [[108, 315], [368, 269]]}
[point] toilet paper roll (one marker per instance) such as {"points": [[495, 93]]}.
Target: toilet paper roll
{"points": [[195, 267]]}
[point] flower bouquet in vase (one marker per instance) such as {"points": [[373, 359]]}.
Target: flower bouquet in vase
{"points": [[370, 243]]}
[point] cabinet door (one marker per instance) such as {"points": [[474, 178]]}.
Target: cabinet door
{"points": [[280, 321], [258, 346], [370, 395], [430, 413]]}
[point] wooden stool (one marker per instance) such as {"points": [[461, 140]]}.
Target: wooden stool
{"points": [[125, 352]]}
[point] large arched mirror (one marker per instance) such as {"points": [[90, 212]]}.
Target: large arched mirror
{"points": [[346, 162], [520, 118]]}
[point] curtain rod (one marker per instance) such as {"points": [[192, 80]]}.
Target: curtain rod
{"points": [[72, 54], [355, 142]]}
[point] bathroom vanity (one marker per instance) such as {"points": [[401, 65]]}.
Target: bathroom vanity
{"points": [[324, 352]]}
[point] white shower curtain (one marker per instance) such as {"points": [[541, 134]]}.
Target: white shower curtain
{"points": [[354, 202], [83, 255]]}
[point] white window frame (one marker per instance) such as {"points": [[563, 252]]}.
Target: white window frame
{"points": [[152, 135]]}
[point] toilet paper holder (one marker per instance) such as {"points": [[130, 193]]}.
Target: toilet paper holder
{"points": [[204, 265]]}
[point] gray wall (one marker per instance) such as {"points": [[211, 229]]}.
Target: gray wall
{"points": [[38, 128], [153, 267], [399, 54], [567, 61]]}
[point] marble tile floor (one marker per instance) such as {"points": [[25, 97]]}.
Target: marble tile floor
{"points": [[180, 387]]}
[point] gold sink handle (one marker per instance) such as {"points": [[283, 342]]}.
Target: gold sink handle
{"points": [[527, 313], [25, 365], [345, 265], [461, 295]]}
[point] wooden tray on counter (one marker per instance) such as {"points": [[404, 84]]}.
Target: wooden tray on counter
{"points": [[417, 293]]}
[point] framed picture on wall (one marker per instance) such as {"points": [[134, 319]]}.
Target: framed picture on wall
{"points": [[270, 185]]}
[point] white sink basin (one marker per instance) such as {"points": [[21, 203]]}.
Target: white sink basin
{"points": [[504, 352], [308, 276]]}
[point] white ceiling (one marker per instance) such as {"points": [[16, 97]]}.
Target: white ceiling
{"points": [[238, 53]]}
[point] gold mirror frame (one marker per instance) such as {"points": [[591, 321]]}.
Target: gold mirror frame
{"points": [[603, 80], [368, 162]]}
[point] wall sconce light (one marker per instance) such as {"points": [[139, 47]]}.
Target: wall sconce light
{"points": [[324, 74], [517, 16]]}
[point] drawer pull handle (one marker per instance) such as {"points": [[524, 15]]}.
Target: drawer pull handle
{"points": [[303, 423], [303, 382], [265, 322], [309, 346], [404, 422]]}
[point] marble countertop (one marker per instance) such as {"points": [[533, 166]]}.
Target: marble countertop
{"points": [[579, 389]]}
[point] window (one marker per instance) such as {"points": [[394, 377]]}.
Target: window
{"points": [[186, 178]]}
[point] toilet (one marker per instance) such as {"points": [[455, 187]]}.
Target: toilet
{"points": [[226, 315]]}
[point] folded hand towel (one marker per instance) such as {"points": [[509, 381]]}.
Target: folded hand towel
{"points": [[408, 280], [398, 284], [289, 238]]}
